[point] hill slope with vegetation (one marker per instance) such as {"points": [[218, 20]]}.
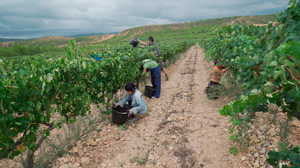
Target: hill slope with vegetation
{"points": [[177, 31], [50, 44], [187, 30]]}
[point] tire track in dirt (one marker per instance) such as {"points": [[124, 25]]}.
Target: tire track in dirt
{"points": [[174, 125]]}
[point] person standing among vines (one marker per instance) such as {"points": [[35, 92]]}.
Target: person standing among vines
{"points": [[152, 66], [158, 54]]}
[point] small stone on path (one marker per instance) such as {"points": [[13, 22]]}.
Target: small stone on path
{"points": [[64, 166], [85, 161], [76, 165], [263, 150]]}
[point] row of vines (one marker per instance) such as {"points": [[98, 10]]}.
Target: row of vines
{"points": [[33, 89], [266, 62]]}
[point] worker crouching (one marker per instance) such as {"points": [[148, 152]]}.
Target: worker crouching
{"points": [[214, 87], [138, 105]]}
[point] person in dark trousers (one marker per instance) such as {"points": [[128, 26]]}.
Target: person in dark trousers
{"points": [[158, 54], [138, 105], [152, 66], [214, 86]]}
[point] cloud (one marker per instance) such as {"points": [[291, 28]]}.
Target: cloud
{"points": [[35, 18]]}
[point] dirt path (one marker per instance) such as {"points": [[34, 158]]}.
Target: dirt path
{"points": [[182, 129]]}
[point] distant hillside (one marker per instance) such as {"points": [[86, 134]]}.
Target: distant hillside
{"points": [[7, 39], [92, 34], [60, 41], [187, 30], [49, 44], [55, 40], [73, 36]]}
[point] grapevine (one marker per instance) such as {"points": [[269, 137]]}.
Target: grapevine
{"points": [[264, 60], [32, 89]]}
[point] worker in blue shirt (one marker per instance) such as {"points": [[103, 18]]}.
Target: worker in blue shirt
{"points": [[138, 106]]}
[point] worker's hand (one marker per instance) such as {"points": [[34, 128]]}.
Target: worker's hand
{"points": [[225, 69], [130, 112], [116, 104]]}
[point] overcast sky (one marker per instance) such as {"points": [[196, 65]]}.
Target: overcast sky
{"points": [[37, 18]]}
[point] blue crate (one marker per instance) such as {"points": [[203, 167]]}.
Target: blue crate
{"points": [[97, 58]]}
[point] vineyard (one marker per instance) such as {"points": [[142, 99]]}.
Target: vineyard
{"points": [[263, 61], [31, 86]]}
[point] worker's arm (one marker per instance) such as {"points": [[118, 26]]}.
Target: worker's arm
{"points": [[224, 70], [218, 70], [143, 43], [121, 103], [145, 70]]}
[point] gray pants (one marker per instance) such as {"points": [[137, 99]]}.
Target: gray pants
{"points": [[161, 64]]}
